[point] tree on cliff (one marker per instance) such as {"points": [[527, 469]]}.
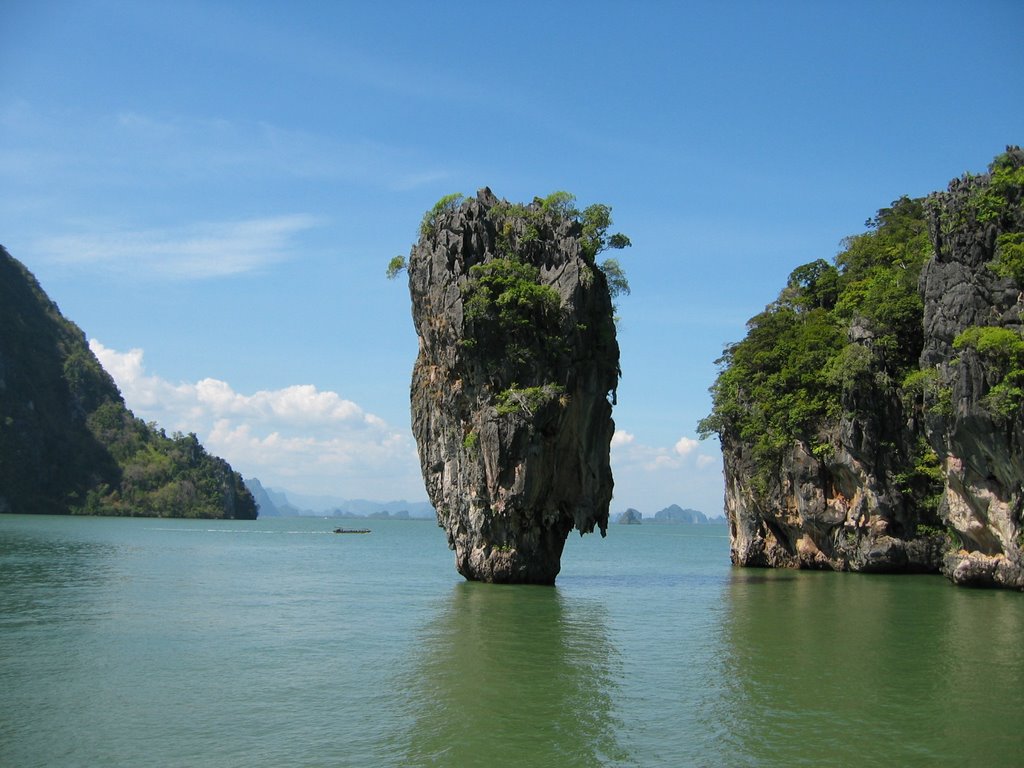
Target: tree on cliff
{"points": [[789, 374]]}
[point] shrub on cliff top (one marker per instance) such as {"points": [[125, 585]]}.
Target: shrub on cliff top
{"points": [[446, 204], [1002, 351]]}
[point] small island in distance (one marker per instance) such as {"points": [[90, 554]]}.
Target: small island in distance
{"points": [[278, 502], [671, 515]]}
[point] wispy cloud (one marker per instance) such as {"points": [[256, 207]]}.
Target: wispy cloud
{"points": [[196, 252], [627, 451], [133, 149], [650, 477], [300, 437]]}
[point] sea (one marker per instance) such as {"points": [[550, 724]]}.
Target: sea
{"points": [[276, 642]]}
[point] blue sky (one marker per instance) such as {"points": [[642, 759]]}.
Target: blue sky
{"points": [[212, 190]]}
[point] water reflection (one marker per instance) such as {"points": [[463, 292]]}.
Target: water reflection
{"points": [[513, 676], [851, 669]]}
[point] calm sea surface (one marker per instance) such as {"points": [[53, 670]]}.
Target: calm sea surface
{"points": [[279, 643]]}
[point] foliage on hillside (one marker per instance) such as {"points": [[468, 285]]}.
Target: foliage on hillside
{"points": [[789, 374], [68, 444], [837, 333]]}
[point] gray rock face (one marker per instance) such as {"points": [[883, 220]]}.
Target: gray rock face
{"points": [[982, 450], [839, 510], [630, 517], [511, 388]]}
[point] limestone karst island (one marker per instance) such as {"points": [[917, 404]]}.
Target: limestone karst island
{"points": [[871, 420], [873, 417], [513, 387]]}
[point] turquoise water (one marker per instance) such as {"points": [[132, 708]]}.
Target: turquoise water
{"points": [[278, 643]]}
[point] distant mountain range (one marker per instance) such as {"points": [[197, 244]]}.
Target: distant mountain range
{"points": [[282, 503], [671, 514], [277, 502]]}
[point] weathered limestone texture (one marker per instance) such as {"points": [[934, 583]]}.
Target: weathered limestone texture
{"points": [[840, 510], [982, 448], [844, 497], [512, 387]]}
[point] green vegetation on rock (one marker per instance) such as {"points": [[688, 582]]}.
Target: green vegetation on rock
{"points": [[1002, 351], [68, 444], [843, 338], [834, 329], [448, 203], [514, 321]]}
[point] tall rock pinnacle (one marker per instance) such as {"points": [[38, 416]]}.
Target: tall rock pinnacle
{"points": [[512, 388]]}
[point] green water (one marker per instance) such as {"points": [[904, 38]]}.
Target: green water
{"points": [[278, 643]]}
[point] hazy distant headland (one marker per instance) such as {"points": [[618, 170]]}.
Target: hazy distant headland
{"points": [[279, 502], [276, 502]]}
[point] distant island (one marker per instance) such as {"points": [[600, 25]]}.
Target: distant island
{"points": [[281, 503], [672, 514]]}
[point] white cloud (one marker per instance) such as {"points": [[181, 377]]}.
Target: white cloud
{"points": [[621, 437], [683, 453], [300, 437], [704, 461], [206, 250], [686, 445]]}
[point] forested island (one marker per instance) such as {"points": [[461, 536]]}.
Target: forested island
{"points": [[68, 443], [872, 419]]}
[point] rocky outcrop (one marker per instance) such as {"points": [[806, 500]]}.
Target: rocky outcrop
{"points": [[630, 517], [512, 387], [838, 507], [913, 466], [68, 444], [981, 443], [676, 514]]}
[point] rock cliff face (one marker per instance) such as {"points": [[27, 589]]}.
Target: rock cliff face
{"points": [[975, 225], [839, 509], [511, 389], [68, 444], [913, 466]]}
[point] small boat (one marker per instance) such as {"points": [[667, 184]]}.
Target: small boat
{"points": [[351, 530]]}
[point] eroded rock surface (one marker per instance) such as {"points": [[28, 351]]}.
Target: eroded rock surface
{"points": [[838, 509], [912, 466], [512, 387], [982, 445]]}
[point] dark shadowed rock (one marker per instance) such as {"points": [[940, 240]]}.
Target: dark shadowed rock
{"points": [[512, 388]]}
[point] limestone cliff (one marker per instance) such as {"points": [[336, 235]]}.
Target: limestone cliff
{"points": [[872, 418], [974, 323], [68, 444], [512, 387]]}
